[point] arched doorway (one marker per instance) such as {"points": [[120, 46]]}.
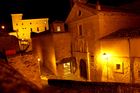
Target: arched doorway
{"points": [[83, 69]]}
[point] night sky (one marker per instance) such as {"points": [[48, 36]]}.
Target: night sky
{"points": [[53, 9]]}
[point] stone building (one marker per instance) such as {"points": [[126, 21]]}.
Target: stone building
{"points": [[51, 48], [95, 43], [98, 57], [22, 29]]}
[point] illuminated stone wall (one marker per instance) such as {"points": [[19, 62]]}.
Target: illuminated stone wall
{"points": [[24, 27], [119, 52], [28, 66], [62, 45], [96, 24], [43, 48]]}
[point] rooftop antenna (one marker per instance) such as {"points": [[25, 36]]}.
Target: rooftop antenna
{"points": [[98, 6]]}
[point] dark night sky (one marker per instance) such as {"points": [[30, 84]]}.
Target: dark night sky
{"points": [[53, 9]]}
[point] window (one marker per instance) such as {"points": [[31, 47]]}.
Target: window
{"points": [[80, 30], [58, 28], [45, 28], [118, 66], [79, 13], [31, 29], [138, 73], [38, 29]]}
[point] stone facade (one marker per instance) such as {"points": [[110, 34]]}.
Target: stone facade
{"points": [[83, 41], [24, 27], [62, 45], [28, 66], [87, 26]]}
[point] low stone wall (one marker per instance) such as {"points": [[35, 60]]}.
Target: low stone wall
{"points": [[70, 86]]}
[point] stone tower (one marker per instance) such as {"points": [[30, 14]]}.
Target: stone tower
{"points": [[15, 19]]}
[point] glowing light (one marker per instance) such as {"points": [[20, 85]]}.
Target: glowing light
{"points": [[43, 77], [3, 27], [66, 65], [106, 66], [58, 28], [38, 59], [105, 55]]}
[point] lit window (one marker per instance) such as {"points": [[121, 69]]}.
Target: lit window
{"points": [[58, 28]]}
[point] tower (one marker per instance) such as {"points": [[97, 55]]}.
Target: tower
{"points": [[15, 19]]}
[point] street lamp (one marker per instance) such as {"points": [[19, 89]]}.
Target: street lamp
{"points": [[3, 27], [106, 57], [39, 65]]}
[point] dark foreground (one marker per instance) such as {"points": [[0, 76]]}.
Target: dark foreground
{"points": [[12, 81], [69, 86]]}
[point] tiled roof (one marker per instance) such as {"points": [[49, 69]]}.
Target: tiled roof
{"points": [[92, 8], [124, 33]]}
